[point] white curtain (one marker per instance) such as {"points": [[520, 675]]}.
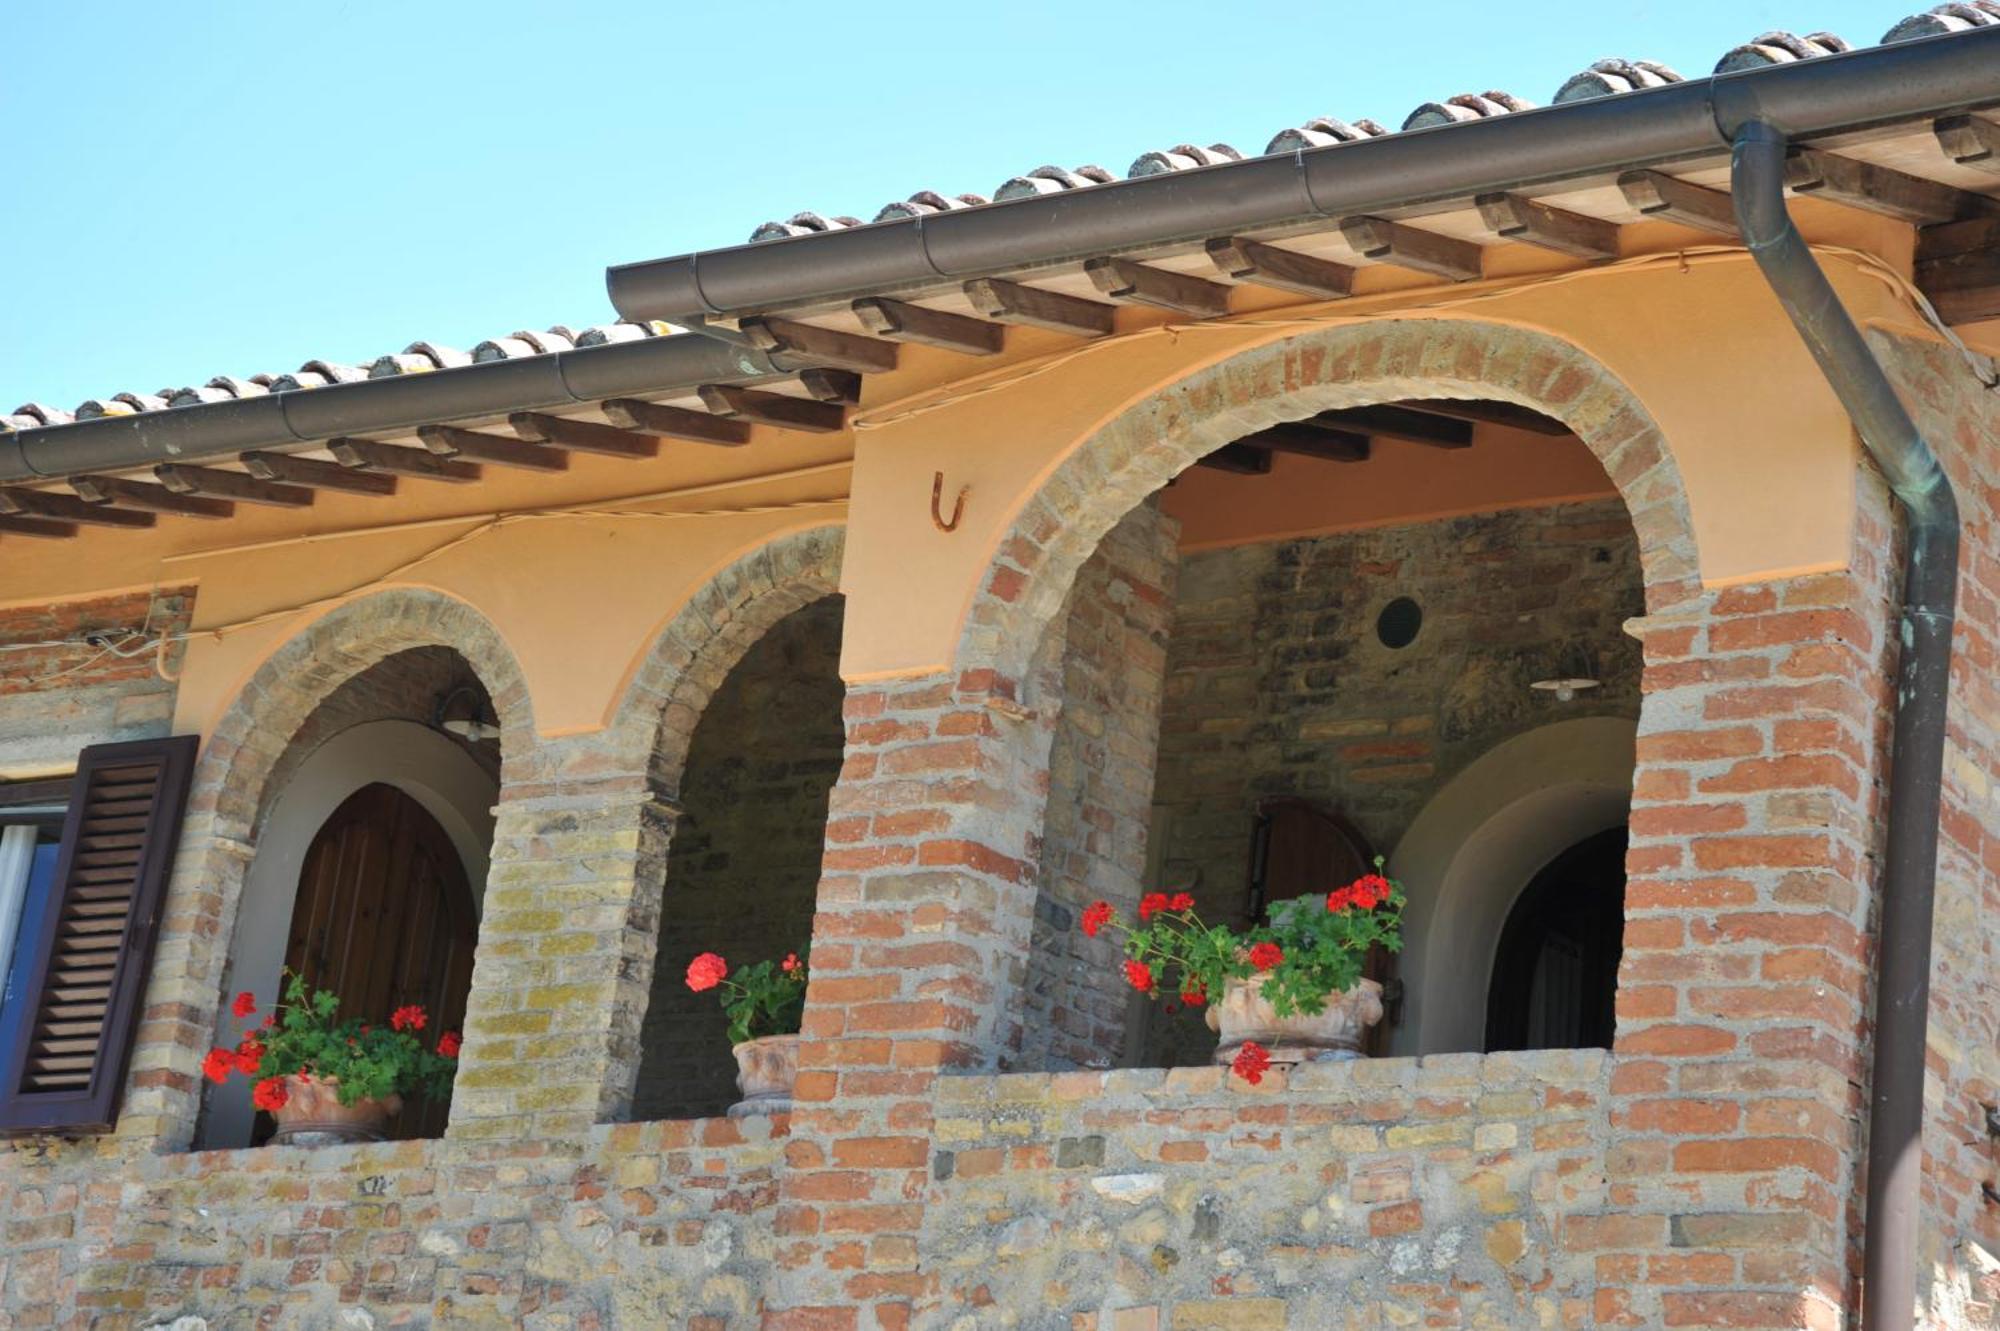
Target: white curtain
{"points": [[17, 862]]}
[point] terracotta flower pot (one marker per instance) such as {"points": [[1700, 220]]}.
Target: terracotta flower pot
{"points": [[1336, 1031], [312, 1115], [765, 1070]]}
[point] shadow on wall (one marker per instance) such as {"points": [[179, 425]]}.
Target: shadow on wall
{"points": [[744, 865]]}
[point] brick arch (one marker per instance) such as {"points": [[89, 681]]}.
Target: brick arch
{"points": [[690, 657], [1149, 443]]}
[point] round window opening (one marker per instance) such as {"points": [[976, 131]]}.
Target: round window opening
{"points": [[1399, 622]]}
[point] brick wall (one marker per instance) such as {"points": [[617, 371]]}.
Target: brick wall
{"points": [[1101, 768], [1279, 685], [54, 700], [745, 860]]}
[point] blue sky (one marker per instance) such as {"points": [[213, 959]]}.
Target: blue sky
{"points": [[206, 187]]}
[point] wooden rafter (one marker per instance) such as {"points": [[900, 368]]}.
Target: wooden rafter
{"points": [[148, 497], [822, 346], [215, 483], [1877, 189], [1312, 441], [452, 454], [1481, 411], [1664, 198], [1416, 427], [47, 529], [1517, 217], [68, 508], [702, 427], [1059, 312], [1970, 141], [904, 322], [841, 386], [1958, 269], [1237, 458], [773, 409], [1125, 279], [1244, 260], [583, 436], [317, 475], [1382, 241]]}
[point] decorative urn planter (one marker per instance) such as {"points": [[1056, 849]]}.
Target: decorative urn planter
{"points": [[312, 1115], [765, 1070], [1335, 1032]]}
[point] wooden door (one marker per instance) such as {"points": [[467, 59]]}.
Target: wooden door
{"points": [[384, 918], [1555, 969]]}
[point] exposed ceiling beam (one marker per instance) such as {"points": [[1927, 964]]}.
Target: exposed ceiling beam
{"points": [[1417, 427], [1877, 189], [823, 346], [1244, 260], [215, 483], [1970, 141], [446, 446], [47, 529], [774, 409], [1238, 458], [1384, 241], [1958, 269], [841, 386], [1014, 303], [1485, 412], [1124, 279], [317, 475], [583, 436], [1517, 217], [1661, 197], [69, 508], [675, 422], [1312, 441], [905, 322], [144, 495]]}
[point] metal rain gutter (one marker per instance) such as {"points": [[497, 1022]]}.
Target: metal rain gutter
{"points": [[1655, 127], [371, 406], [1923, 674]]}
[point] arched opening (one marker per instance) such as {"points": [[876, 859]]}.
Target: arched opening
{"points": [[1555, 968], [372, 844], [744, 865]]}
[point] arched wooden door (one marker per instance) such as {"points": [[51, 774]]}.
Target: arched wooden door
{"points": [[384, 918]]}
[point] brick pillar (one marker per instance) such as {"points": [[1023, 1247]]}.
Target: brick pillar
{"points": [[1101, 768], [919, 950], [1741, 997], [565, 958]]}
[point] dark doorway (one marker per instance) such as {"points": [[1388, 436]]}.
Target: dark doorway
{"points": [[1555, 972], [383, 918]]}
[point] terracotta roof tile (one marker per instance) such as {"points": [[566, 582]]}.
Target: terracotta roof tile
{"points": [[1945, 18], [1051, 180], [1606, 78], [1320, 131], [1180, 159], [1465, 106]]}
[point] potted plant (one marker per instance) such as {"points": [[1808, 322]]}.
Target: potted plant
{"points": [[1288, 991], [328, 1080], [764, 1004]]}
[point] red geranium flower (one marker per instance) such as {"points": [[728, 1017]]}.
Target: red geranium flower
{"points": [[1251, 1062], [1095, 916], [1194, 996], [1182, 901], [1370, 890], [1139, 975], [249, 1057], [790, 963], [1266, 955], [706, 971], [270, 1094], [1151, 904], [218, 1065], [407, 1018], [245, 1004], [1340, 899], [270, 1020], [448, 1044]]}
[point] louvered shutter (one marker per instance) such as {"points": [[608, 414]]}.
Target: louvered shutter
{"points": [[86, 966]]}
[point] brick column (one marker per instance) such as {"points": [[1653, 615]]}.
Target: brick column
{"points": [[565, 957], [1736, 1087]]}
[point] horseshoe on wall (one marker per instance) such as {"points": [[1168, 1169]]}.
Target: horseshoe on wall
{"points": [[938, 519]]}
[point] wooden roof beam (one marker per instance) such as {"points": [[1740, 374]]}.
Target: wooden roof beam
{"points": [[1124, 279], [215, 483], [1309, 440], [316, 475], [446, 450], [47, 529], [1517, 217], [1958, 269], [655, 418], [118, 492], [1056, 311], [904, 322], [838, 386], [822, 346], [1664, 198], [1484, 412], [1239, 459], [582, 436], [68, 508], [1970, 141], [1416, 427], [774, 409], [1382, 241], [1877, 189], [1244, 260]]}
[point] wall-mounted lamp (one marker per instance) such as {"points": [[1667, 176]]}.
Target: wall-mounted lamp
{"points": [[472, 726], [1574, 675]]}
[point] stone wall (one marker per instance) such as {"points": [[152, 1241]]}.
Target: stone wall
{"points": [[745, 859], [54, 699], [1278, 683]]}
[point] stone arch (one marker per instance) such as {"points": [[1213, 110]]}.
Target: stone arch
{"points": [[1147, 444]]}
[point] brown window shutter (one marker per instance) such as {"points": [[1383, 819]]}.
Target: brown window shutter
{"points": [[87, 965]]}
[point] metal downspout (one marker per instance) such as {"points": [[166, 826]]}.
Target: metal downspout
{"points": [[1930, 583]]}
